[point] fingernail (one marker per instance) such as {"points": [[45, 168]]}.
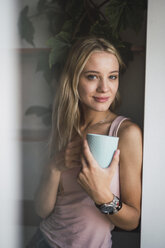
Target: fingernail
{"points": [[117, 152]]}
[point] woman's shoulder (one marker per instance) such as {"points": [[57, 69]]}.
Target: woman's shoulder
{"points": [[130, 145], [129, 130]]}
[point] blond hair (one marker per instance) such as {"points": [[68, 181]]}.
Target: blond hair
{"points": [[66, 109]]}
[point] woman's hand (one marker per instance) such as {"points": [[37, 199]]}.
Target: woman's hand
{"points": [[70, 157], [95, 180]]}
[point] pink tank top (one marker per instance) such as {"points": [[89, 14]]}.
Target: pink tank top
{"points": [[75, 221]]}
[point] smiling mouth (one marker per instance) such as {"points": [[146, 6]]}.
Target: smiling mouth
{"points": [[101, 99]]}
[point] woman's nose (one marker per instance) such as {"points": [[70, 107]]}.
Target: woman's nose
{"points": [[103, 85]]}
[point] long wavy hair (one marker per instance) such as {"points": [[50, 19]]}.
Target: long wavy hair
{"points": [[66, 115]]}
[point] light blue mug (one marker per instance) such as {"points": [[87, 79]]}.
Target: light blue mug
{"points": [[102, 148]]}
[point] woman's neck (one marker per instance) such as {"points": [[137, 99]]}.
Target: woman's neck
{"points": [[91, 117]]}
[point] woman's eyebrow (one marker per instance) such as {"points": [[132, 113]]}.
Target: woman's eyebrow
{"points": [[99, 72], [90, 71], [114, 71]]}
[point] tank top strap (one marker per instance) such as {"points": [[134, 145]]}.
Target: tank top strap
{"points": [[116, 125]]}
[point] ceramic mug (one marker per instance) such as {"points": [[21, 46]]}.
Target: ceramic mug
{"points": [[102, 148]]}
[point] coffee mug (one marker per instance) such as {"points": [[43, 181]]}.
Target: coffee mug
{"points": [[102, 148]]}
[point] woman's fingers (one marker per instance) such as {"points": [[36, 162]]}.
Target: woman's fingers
{"points": [[71, 154], [88, 155], [73, 151], [74, 143], [115, 162], [83, 162], [70, 157], [70, 160], [72, 164]]}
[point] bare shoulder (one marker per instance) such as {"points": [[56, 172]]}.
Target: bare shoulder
{"points": [[131, 147], [129, 131], [130, 141]]}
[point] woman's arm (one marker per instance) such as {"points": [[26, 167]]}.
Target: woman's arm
{"points": [[96, 180], [130, 146], [47, 192], [46, 195]]}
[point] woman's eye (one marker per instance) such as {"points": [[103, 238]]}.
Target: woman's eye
{"points": [[91, 77], [113, 77]]}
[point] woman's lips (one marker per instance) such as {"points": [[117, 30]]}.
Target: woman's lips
{"points": [[101, 99]]}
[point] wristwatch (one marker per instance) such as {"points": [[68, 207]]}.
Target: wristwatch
{"points": [[111, 207]]}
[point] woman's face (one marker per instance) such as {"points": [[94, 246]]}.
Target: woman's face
{"points": [[99, 81]]}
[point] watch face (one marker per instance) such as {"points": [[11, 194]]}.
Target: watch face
{"points": [[107, 209], [110, 208]]}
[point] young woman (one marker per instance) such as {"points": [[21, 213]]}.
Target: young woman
{"points": [[80, 202]]}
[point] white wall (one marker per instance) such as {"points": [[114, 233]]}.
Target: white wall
{"points": [[153, 216], [10, 183]]}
